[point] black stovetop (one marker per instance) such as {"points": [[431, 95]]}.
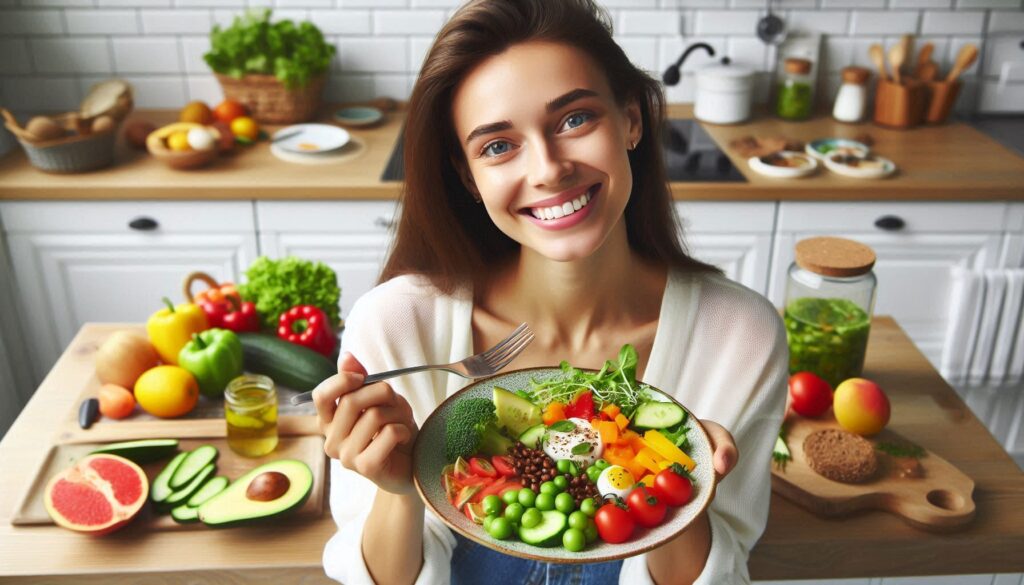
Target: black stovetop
{"points": [[690, 156]]}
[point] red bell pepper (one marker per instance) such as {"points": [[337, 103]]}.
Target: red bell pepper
{"points": [[307, 325], [231, 313], [581, 407]]}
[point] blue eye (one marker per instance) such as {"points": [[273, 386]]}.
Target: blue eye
{"points": [[497, 148], [577, 119]]}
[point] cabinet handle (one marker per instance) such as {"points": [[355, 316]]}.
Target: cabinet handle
{"points": [[143, 224], [383, 222], [890, 223]]}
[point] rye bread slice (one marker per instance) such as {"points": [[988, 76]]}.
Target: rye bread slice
{"points": [[841, 456]]}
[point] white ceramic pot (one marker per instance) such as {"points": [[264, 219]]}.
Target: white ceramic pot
{"points": [[724, 93]]}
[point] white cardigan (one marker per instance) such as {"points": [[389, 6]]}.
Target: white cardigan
{"points": [[720, 349]]}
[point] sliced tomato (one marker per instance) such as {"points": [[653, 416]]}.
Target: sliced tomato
{"points": [[582, 406], [481, 467], [474, 480], [503, 465], [497, 488]]}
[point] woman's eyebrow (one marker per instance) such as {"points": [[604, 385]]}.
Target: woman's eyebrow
{"points": [[552, 106]]}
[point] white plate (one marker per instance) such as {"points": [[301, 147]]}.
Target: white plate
{"points": [[310, 138], [886, 168], [814, 147], [810, 164]]}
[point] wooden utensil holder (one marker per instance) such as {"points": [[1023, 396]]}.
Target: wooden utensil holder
{"points": [[900, 105], [941, 98]]}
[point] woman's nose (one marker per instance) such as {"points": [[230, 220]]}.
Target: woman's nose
{"points": [[548, 166]]}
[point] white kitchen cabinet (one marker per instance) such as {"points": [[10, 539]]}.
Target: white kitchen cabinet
{"points": [[735, 236], [85, 261], [917, 244], [1013, 245], [352, 237]]}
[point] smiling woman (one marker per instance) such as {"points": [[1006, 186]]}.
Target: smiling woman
{"points": [[536, 192]]}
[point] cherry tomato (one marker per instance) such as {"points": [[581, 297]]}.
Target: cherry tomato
{"points": [[672, 486], [810, 395], [503, 465], [645, 506], [614, 524], [482, 467]]}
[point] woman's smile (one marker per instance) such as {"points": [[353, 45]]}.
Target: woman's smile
{"points": [[564, 210]]}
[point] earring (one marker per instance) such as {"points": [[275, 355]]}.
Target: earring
{"points": [[632, 145]]}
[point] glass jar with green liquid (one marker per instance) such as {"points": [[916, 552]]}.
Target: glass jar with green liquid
{"points": [[830, 296], [250, 409]]}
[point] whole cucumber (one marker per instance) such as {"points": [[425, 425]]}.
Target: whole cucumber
{"points": [[288, 364]]}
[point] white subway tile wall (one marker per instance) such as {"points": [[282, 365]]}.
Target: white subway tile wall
{"points": [[54, 50]]}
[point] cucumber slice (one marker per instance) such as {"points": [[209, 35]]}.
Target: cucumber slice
{"points": [[532, 436], [142, 451], [161, 488], [194, 462], [548, 532], [658, 415], [184, 514], [209, 489], [182, 495], [514, 412]]}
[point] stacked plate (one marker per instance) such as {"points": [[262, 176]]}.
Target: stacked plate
{"points": [[309, 143]]}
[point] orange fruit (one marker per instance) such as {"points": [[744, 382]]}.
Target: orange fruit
{"points": [[228, 110], [197, 112], [116, 401], [167, 391], [245, 127]]}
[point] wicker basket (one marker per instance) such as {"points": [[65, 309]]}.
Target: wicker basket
{"points": [[270, 102]]}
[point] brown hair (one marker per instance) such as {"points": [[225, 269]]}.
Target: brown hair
{"points": [[443, 233]]}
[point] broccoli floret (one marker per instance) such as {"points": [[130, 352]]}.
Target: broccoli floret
{"points": [[472, 427]]}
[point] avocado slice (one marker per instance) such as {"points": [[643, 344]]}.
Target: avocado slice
{"points": [[269, 490]]}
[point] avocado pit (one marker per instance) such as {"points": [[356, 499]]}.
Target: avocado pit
{"points": [[267, 486]]}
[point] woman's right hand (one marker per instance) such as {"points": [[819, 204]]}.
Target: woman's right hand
{"points": [[369, 429]]}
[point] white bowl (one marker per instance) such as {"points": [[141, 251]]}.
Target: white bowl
{"points": [[807, 165], [871, 167], [815, 147]]}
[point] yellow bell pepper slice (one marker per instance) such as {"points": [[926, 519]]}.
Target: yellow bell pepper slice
{"points": [[667, 449]]}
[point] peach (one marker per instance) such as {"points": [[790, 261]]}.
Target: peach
{"points": [[861, 406]]}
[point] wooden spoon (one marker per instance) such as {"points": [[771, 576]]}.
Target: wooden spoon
{"points": [[896, 57], [964, 59], [877, 54], [923, 58], [907, 43], [928, 71]]}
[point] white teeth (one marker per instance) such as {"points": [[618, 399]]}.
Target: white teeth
{"points": [[557, 211]]}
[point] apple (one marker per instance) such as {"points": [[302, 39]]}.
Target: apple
{"points": [[861, 406], [809, 395]]}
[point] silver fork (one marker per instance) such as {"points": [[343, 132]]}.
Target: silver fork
{"points": [[481, 365]]}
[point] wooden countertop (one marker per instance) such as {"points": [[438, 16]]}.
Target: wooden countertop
{"points": [[950, 162], [796, 544]]}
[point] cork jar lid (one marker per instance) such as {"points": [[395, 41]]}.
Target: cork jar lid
{"points": [[856, 75], [830, 256], [797, 66]]}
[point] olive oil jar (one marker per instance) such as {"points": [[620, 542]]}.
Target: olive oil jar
{"points": [[250, 409], [830, 297]]}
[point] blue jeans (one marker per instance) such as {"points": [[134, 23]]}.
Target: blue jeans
{"points": [[474, 563]]}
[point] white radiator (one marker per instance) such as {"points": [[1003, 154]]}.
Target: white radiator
{"points": [[985, 336]]}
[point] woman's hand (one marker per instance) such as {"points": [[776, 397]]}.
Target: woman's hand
{"points": [[369, 429], [723, 447]]}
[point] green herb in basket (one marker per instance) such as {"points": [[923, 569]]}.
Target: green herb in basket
{"points": [[294, 53]]}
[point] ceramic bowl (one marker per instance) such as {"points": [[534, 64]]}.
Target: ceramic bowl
{"points": [[429, 460], [870, 167], [825, 147], [358, 116], [182, 160], [803, 164]]}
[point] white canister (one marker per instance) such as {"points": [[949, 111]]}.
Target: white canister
{"points": [[724, 93]]}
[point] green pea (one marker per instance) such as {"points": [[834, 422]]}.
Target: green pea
{"points": [[501, 528], [578, 520], [487, 523], [514, 512], [590, 531], [527, 497], [574, 540], [545, 501], [564, 503], [589, 507], [562, 465], [548, 487], [561, 483], [601, 464], [492, 505], [532, 517], [510, 496], [593, 473]]}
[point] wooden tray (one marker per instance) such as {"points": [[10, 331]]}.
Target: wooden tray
{"points": [[941, 500], [307, 448]]}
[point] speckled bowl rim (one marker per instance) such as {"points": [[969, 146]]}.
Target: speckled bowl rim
{"points": [[622, 551]]}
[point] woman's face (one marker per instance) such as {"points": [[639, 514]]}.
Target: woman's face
{"points": [[546, 146]]}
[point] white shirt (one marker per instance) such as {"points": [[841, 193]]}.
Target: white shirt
{"points": [[720, 349]]}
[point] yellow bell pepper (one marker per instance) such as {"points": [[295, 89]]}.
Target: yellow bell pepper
{"points": [[172, 327]]}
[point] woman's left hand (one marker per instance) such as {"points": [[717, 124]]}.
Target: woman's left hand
{"points": [[724, 452]]}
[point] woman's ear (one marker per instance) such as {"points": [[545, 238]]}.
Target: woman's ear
{"points": [[634, 122], [466, 177]]}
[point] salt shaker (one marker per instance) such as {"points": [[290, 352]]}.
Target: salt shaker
{"points": [[852, 99]]}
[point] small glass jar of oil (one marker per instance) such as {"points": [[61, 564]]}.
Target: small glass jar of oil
{"points": [[250, 408]]}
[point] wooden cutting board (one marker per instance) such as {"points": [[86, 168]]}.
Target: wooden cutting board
{"points": [[308, 448], [940, 500]]}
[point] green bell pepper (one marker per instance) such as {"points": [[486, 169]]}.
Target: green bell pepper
{"points": [[214, 357]]}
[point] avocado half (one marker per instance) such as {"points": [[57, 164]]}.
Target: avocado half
{"points": [[233, 506]]}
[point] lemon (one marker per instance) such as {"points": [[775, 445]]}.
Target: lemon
{"points": [[245, 127], [178, 142], [167, 391]]}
